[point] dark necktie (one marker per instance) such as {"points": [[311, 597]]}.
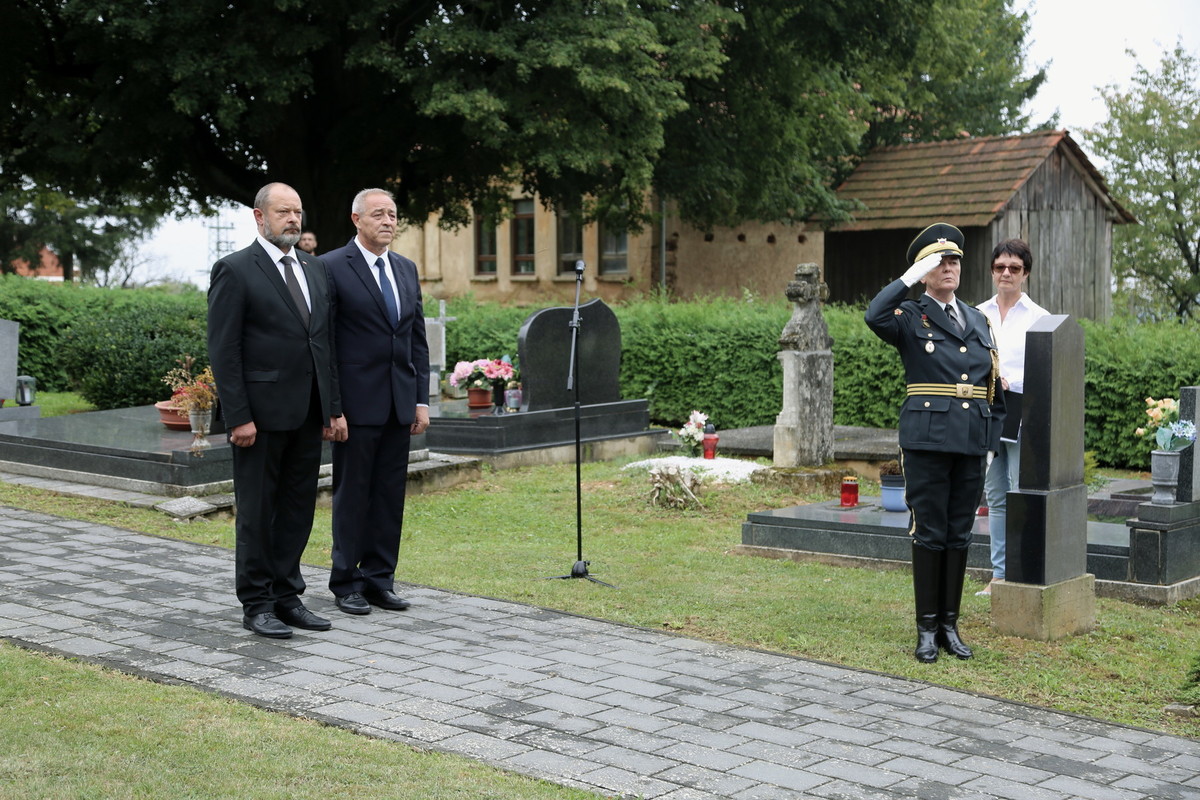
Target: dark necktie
{"points": [[385, 286], [953, 317], [293, 286]]}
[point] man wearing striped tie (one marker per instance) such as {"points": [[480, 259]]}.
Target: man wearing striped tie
{"points": [[949, 422], [383, 362]]}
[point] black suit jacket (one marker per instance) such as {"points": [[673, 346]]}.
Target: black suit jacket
{"points": [[262, 355], [380, 366], [934, 352]]}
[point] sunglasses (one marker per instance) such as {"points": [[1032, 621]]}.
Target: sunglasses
{"points": [[1014, 270]]}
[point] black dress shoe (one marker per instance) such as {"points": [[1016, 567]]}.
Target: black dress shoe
{"points": [[301, 617], [385, 598], [352, 603], [266, 625]]}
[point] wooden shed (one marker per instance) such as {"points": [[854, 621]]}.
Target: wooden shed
{"points": [[1039, 187]]}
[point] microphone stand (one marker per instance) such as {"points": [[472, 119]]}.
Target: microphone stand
{"points": [[580, 568]]}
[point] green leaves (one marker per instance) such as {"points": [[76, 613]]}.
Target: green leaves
{"points": [[1151, 146]]}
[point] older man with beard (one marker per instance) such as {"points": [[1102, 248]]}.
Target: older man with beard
{"points": [[270, 342]]}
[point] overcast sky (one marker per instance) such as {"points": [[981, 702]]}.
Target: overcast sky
{"points": [[1081, 42]]}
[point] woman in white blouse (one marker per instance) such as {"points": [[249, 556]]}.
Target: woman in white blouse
{"points": [[1011, 313]]}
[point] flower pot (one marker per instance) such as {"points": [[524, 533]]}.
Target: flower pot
{"points": [[1164, 476], [891, 493], [169, 416], [479, 397]]}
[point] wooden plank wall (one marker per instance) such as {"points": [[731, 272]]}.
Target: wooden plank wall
{"points": [[1068, 229]]}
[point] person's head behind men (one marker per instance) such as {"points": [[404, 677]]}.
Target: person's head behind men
{"points": [[308, 242], [277, 212], [1012, 261], [947, 240], [373, 213]]}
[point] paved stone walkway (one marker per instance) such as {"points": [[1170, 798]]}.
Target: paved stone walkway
{"points": [[585, 703]]}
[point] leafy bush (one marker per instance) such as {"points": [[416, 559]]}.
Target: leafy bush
{"points": [[45, 311], [117, 358], [714, 355]]}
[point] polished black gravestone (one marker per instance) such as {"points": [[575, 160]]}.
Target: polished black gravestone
{"points": [[1047, 511], [126, 444], [125, 448], [544, 352], [547, 415]]}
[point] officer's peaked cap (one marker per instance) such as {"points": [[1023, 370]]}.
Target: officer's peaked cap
{"points": [[940, 237]]}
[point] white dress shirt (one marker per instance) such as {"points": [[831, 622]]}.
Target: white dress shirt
{"points": [[277, 256], [387, 264], [1010, 336]]}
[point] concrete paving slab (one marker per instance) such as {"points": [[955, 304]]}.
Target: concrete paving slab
{"points": [[583, 702]]}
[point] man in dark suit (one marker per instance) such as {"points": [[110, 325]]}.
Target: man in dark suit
{"points": [[949, 423], [383, 367], [270, 341]]}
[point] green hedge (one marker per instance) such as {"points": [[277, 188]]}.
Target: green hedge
{"points": [[716, 355], [45, 312]]}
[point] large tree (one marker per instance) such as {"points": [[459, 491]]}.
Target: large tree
{"points": [[737, 109], [1150, 145], [89, 237]]}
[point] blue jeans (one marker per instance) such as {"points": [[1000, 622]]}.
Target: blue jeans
{"points": [[1001, 479]]}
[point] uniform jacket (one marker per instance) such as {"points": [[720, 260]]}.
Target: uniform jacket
{"points": [[262, 355], [934, 352], [380, 366]]}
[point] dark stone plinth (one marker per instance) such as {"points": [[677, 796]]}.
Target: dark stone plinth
{"points": [[1047, 535], [1174, 514], [868, 531], [483, 433], [1164, 543], [126, 443]]}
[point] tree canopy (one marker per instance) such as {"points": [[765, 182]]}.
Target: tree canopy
{"points": [[736, 109], [1151, 143]]}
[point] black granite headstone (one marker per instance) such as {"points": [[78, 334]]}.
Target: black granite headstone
{"points": [[1188, 490], [1047, 514], [544, 350]]}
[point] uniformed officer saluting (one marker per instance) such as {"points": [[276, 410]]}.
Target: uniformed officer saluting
{"points": [[950, 421]]}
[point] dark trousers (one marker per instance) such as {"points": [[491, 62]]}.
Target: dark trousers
{"points": [[943, 491], [370, 470], [275, 487]]}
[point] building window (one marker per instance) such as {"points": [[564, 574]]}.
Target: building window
{"points": [[614, 251], [570, 242], [522, 237], [485, 246]]}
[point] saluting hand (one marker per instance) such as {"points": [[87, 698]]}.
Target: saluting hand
{"points": [[922, 268]]}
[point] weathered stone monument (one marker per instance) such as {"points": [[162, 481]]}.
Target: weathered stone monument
{"points": [[1048, 593], [804, 428], [435, 335]]}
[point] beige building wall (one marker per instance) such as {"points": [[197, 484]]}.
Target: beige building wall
{"points": [[758, 258]]}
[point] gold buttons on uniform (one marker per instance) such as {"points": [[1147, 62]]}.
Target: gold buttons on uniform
{"points": [[966, 405], [966, 377], [927, 404], [962, 349]]}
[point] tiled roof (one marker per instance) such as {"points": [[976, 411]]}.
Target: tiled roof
{"points": [[966, 181]]}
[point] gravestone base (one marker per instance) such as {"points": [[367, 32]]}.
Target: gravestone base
{"points": [[1047, 534], [1164, 543], [1045, 613]]}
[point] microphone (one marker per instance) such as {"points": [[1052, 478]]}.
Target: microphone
{"points": [[579, 267]]}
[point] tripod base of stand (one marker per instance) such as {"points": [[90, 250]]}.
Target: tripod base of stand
{"points": [[580, 570]]}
